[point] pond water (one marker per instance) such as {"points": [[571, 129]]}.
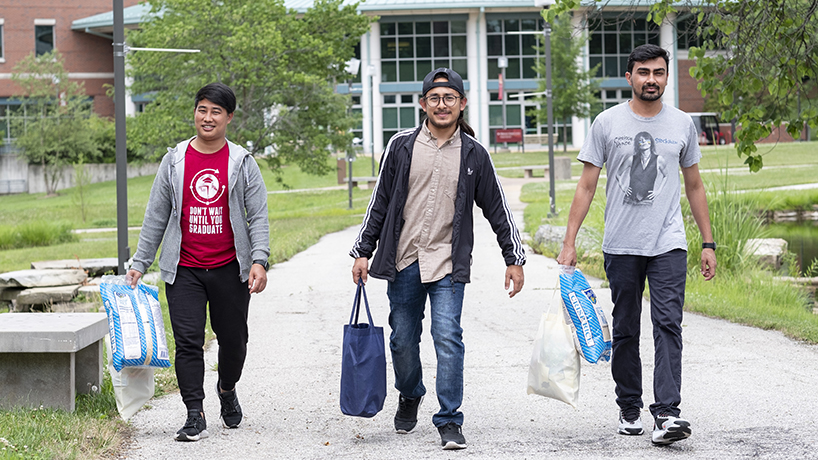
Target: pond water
{"points": [[802, 240]]}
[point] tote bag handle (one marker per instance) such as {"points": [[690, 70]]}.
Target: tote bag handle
{"points": [[356, 306]]}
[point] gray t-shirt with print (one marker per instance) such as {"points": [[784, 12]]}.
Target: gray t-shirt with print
{"points": [[643, 214]]}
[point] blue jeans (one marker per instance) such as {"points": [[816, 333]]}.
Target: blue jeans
{"points": [[666, 278], [407, 302]]}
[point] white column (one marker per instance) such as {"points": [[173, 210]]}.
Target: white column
{"points": [[580, 125], [374, 48], [478, 75], [667, 40]]}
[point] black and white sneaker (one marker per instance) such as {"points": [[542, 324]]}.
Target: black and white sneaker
{"points": [[630, 424], [407, 416], [668, 429], [451, 436], [231, 410], [195, 427]]}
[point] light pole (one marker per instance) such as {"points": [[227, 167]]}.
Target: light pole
{"points": [[120, 50], [545, 4]]}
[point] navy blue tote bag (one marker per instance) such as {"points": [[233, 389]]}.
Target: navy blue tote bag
{"points": [[363, 364]]}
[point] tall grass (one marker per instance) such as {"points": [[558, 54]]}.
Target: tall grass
{"points": [[734, 219], [35, 234]]}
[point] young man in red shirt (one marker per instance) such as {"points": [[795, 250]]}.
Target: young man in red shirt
{"points": [[208, 209]]}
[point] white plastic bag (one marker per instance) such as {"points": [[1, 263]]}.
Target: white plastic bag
{"points": [[133, 386], [555, 364]]}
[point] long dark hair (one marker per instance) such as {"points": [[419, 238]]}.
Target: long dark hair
{"points": [[464, 126]]}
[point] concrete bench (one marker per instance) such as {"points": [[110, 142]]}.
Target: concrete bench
{"points": [[366, 182], [48, 358], [562, 170]]}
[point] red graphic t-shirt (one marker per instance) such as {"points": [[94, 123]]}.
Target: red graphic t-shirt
{"points": [[207, 237]]}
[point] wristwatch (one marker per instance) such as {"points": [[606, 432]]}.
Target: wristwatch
{"points": [[709, 246], [263, 263]]}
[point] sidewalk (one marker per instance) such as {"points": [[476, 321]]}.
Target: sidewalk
{"points": [[749, 393]]}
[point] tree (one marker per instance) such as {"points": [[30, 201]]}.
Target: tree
{"points": [[574, 90], [55, 131], [282, 66], [760, 59]]}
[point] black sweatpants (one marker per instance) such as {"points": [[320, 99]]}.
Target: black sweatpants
{"points": [[188, 298]]}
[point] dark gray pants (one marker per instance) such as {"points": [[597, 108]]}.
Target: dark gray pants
{"points": [[665, 274]]}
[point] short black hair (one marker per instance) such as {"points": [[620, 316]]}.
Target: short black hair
{"points": [[219, 94], [644, 53]]}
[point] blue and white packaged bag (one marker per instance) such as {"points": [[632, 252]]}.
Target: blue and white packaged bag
{"points": [[135, 324], [587, 318]]}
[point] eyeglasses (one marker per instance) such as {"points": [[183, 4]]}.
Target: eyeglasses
{"points": [[448, 99]]}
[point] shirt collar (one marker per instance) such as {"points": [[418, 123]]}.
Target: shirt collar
{"points": [[428, 136]]}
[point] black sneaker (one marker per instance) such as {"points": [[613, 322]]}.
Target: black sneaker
{"points": [[231, 410], [195, 427], [407, 416], [629, 423], [668, 429], [451, 436]]}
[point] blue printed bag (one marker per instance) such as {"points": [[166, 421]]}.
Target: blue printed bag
{"points": [[135, 324], [588, 321]]}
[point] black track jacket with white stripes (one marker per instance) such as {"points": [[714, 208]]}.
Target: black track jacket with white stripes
{"points": [[477, 183]]}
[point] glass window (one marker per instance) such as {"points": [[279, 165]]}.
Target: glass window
{"points": [[410, 50], [423, 47], [521, 50], [44, 39], [612, 39], [389, 71], [407, 70], [2, 50], [399, 113]]}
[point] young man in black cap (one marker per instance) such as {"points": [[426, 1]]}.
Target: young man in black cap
{"points": [[421, 214]]}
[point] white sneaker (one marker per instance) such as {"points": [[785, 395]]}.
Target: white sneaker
{"points": [[630, 427], [668, 429]]}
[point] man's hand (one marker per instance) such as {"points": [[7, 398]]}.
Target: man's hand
{"points": [[514, 274], [134, 276], [360, 269], [708, 264], [567, 256], [258, 279]]}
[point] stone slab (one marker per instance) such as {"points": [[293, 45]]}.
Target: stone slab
{"points": [[42, 278], [47, 295], [50, 332], [94, 267], [10, 293]]}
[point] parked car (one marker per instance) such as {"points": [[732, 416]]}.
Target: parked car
{"points": [[707, 123]]}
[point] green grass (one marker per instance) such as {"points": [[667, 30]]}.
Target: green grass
{"points": [[35, 233], [93, 430]]}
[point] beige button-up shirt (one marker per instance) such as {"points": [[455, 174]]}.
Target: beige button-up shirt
{"points": [[429, 211]]}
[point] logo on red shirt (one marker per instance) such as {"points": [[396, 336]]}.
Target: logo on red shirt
{"points": [[205, 186]]}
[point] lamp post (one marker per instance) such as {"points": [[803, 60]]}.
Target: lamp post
{"points": [[545, 4], [120, 50]]}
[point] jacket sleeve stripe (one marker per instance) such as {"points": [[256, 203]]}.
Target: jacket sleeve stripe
{"points": [[356, 246], [517, 243]]}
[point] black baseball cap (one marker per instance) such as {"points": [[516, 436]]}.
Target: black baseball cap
{"points": [[454, 81]]}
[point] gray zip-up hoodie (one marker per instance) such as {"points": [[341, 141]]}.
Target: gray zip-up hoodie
{"points": [[247, 198]]}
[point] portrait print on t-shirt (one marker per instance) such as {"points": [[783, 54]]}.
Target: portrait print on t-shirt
{"points": [[644, 174], [207, 237]]}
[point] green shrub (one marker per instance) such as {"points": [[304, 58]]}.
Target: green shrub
{"points": [[34, 234]]}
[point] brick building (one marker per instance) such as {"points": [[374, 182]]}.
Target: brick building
{"points": [[39, 26]]}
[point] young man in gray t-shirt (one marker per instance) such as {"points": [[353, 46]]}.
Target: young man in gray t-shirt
{"points": [[643, 143]]}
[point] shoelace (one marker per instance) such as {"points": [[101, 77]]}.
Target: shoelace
{"points": [[191, 422]]}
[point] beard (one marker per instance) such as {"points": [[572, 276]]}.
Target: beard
{"points": [[652, 96], [441, 125]]}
